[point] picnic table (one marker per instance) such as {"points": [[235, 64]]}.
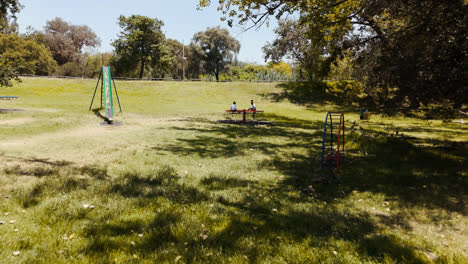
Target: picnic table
{"points": [[244, 112]]}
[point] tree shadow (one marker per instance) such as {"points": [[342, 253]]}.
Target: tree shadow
{"points": [[224, 140], [214, 182], [164, 183], [268, 222], [314, 94], [379, 246], [60, 177], [416, 172]]}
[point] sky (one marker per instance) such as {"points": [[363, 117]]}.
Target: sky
{"points": [[181, 20]]}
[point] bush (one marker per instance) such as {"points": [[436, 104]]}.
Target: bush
{"points": [[26, 56], [73, 69], [344, 91]]}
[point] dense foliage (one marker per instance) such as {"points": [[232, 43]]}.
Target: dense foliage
{"points": [[216, 49], [292, 43], [408, 52], [27, 56], [8, 9], [66, 41], [141, 43]]}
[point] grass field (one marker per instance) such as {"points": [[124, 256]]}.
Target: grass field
{"points": [[172, 185]]}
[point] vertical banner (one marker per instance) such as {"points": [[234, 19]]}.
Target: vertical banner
{"points": [[107, 86]]}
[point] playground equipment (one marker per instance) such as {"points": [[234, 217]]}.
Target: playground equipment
{"points": [[8, 97], [333, 140], [107, 80]]}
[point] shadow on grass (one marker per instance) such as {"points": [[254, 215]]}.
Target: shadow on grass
{"points": [[214, 182], [59, 177], [252, 218], [164, 183], [221, 140], [261, 219], [412, 175], [419, 172], [97, 112], [313, 94]]}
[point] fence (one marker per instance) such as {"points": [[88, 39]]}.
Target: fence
{"points": [[155, 79]]}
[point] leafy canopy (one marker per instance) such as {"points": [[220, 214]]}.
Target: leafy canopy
{"points": [[141, 42], [7, 68], [413, 51], [216, 48], [293, 43], [66, 41], [22, 56], [8, 9]]}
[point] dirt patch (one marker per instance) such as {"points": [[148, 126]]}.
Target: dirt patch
{"points": [[16, 121]]}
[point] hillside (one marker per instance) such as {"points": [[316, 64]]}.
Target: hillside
{"points": [[174, 185]]}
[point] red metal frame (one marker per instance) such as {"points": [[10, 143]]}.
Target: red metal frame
{"points": [[244, 112], [340, 141]]}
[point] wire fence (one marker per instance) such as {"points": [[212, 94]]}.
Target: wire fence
{"points": [[159, 79]]}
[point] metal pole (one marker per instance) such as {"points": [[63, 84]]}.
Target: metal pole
{"points": [[102, 86], [115, 88], [92, 100]]}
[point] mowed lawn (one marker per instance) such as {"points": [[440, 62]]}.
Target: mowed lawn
{"points": [[172, 185]]}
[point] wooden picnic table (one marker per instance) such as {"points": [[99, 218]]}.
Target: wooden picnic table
{"points": [[244, 111]]}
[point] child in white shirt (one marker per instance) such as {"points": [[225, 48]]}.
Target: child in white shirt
{"points": [[233, 106]]}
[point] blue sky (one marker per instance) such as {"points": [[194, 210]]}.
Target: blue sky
{"points": [[182, 20]]}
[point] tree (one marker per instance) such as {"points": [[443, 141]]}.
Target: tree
{"points": [[66, 41], [343, 68], [8, 10], [283, 69], [141, 43], [216, 48], [414, 51], [293, 43], [422, 53], [25, 56], [9, 6], [180, 54]]}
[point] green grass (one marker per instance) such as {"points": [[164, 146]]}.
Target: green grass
{"points": [[173, 185]]}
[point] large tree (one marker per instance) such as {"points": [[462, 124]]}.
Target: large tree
{"points": [[28, 56], [66, 41], [216, 48], [418, 47], [180, 58], [8, 10], [141, 43], [293, 43]]}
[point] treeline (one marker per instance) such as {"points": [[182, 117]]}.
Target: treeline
{"points": [[141, 51], [406, 54]]}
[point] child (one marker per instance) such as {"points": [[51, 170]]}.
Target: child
{"points": [[252, 108], [233, 106]]}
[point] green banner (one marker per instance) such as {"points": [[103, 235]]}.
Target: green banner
{"points": [[107, 87]]}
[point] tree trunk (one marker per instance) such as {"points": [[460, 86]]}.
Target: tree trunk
{"points": [[311, 75], [217, 73], [142, 69]]}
